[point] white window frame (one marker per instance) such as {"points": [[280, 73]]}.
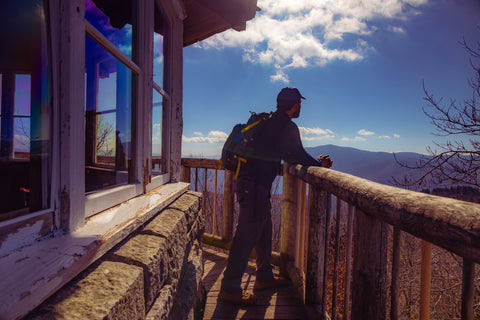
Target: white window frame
{"points": [[141, 130]]}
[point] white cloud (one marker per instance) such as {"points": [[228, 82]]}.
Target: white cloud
{"points": [[157, 133], [212, 137], [354, 139], [158, 43], [364, 132], [311, 134], [21, 143], [396, 29], [384, 137], [304, 33], [280, 76], [396, 136]]}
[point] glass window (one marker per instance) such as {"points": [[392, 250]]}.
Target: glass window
{"points": [[157, 133], [158, 59], [157, 109], [112, 22], [25, 113], [22, 100], [108, 114]]}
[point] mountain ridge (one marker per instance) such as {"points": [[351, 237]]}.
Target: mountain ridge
{"points": [[376, 166]]}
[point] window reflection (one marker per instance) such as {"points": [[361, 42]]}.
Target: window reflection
{"points": [[158, 59], [25, 110], [108, 112], [157, 102], [115, 28], [157, 133]]}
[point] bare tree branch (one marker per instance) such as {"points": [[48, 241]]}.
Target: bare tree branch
{"points": [[456, 161]]}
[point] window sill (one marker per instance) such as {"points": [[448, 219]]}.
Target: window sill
{"points": [[33, 273]]}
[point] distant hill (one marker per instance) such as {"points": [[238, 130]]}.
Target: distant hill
{"points": [[376, 166]]}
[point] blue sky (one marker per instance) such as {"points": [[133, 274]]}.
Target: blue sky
{"points": [[359, 63]]}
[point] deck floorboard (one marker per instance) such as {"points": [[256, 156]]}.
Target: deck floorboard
{"points": [[274, 304]]}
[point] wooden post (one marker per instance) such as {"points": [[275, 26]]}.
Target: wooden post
{"points": [[228, 202], [426, 277], [317, 249], [468, 289], [185, 174], [337, 258], [369, 294], [348, 263], [71, 84], [395, 289], [300, 241], [214, 215], [289, 220], [173, 85]]}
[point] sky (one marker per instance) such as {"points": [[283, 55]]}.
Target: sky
{"points": [[361, 64]]}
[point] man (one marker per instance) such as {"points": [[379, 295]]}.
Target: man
{"points": [[278, 140]]}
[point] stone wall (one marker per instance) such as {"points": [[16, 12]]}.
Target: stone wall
{"points": [[154, 274]]}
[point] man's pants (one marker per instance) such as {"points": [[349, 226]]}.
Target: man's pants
{"points": [[254, 230]]}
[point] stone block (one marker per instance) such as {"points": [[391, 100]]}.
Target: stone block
{"points": [[189, 285], [150, 253], [112, 291], [162, 305], [190, 204], [171, 224], [168, 224]]}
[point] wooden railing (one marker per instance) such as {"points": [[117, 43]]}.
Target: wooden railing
{"points": [[344, 255]]}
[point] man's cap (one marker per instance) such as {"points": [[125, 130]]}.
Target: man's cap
{"points": [[288, 96]]}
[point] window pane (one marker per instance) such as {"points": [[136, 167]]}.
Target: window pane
{"points": [[22, 100], [22, 94], [157, 103], [157, 133], [115, 28], [25, 114], [158, 59], [21, 143], [108, 109]]}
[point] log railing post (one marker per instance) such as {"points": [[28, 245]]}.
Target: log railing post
{"points": [[425, 280], [228, 205], [315, 282], [185, 174], [288, 226], [395, 286], [348, 263], [468, 289], [369, 290]]}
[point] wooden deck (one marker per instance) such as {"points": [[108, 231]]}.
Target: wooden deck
{"points": [[275, 304]]}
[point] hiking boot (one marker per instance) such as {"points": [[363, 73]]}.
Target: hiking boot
{"points": [[241, 297], [274, 283]]}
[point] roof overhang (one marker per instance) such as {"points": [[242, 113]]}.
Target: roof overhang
{"points": [[204, 18], [208, 17]]}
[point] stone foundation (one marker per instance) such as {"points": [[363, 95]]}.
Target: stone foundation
{"points": [[154, 274]]}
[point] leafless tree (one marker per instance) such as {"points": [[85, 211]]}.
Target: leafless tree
{"points": [[23, 131], [456, 161], [104, 133]]}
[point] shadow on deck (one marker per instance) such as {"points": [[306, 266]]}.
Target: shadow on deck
{"points": [[272, 304]]}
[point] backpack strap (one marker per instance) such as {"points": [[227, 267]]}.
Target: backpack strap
{"points": [[240, 160]]}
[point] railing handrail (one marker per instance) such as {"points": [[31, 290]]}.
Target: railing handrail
{"points": [[448, 223], [202, 163]]}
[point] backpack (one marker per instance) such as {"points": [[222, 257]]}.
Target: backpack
{"points": [[240, 144]]}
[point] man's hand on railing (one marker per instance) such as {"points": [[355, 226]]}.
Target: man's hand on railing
{"points": [[325, 160]]}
